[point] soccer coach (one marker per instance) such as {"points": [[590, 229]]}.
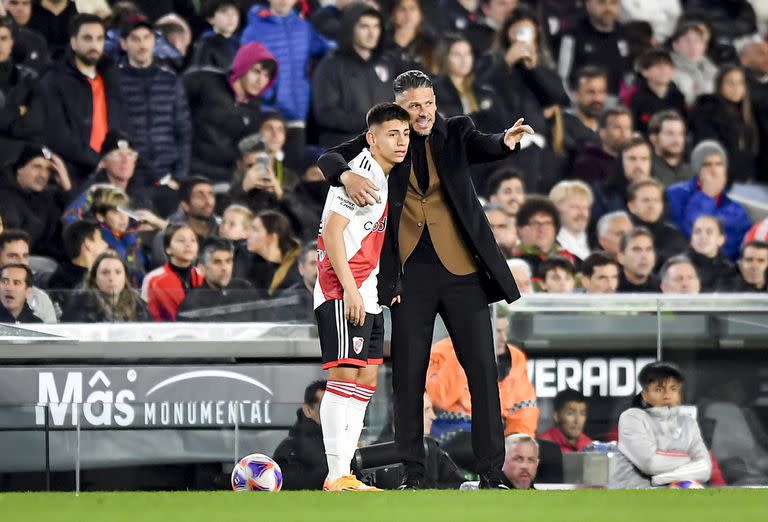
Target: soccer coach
{"points": [[439, 257]]}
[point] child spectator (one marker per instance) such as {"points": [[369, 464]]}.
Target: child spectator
{"points": [[557, 275], [655, 91], [217, 46]]}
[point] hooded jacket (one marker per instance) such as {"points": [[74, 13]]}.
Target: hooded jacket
{"points": [[345, 86]]}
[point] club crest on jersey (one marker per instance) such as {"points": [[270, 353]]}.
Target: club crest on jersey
{"points": [[357, 344], [376, 226]]}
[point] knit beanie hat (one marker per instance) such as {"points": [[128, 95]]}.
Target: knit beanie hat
{"points": [[30, 152], [703, 150], [249, 55]]}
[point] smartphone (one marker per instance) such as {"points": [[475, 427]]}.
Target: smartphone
{"points": [[262, 160], [524, 34]]}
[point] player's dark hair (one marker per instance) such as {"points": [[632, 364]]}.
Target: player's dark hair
{"points": [[568, 395], [310, 393], [384, 112], [659, 371]]}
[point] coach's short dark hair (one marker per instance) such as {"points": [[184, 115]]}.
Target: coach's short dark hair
{"points": [[659, 371], [412, 79], [634, 234], [534, 205], [75, 235], [501, 175], [216, 244], [612, 112], [596, 259], [567, 395], [189, 184], [13, 234], [310, 393], [587, 73], [658, 120], [82, 19], [553, 263], [28, 277], [383, 112]]}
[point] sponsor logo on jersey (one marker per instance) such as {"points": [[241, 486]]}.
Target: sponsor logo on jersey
{"points": [[376, 226]]}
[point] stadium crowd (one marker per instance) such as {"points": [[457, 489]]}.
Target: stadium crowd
{"points": [[152, 151]]}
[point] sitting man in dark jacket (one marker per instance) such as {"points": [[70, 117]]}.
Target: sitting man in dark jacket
{"points": [[15, 285], [753, 270], [301, 456]]}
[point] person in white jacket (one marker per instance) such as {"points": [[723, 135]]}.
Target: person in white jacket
{"points": [[661, 14], [658, 444]]}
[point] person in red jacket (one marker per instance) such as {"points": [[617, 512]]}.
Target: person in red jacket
{"points": [[166, 287], [570, 416]]}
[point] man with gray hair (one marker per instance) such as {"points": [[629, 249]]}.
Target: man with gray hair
{"points": [[679, 276], [522, 273], [611, 228], [521, 463]]}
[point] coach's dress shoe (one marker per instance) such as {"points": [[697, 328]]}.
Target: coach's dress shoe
{"points": [[492, 480], [411, 483]]}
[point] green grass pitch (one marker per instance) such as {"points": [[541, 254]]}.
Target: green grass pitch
{"points": [[422, 506]]}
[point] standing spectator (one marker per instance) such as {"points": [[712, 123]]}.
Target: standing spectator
{"points": [[14, 249], [580, 122], [600, 274], [15, 286], [661, 14], [694, 71], [610, 229], [678, 276], [353, 78], [753, 270], [29, 47], [634, 164], [705, 252], [557, 275], [573, 200], [83, 244], [217, 46], [706, 193], [236, 223], [598, 39], [728, 117], [411, 37], [83, 98], [655, 91], [666, 130], [156, 106], [273, 132], [637, 258], [165, 288], [52, 18], [537, 224], [598, 162], [227, 107], [570, 416], [506, 189], [108, 296]]}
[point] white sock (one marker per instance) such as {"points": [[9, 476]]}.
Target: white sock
{"points": [[333, 419], [355, 417]]}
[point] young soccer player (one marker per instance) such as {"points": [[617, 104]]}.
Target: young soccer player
{"points": [[348, 314]]}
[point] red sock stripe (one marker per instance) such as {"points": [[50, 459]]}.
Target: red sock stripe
{"points": [[341, 388], [363, 393]]}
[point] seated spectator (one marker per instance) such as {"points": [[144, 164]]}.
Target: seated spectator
{"points": [[301, 456], [637, 258], [22, 116], [678, 276], [661, 14], [706, 193], [503, 228], [227, 107], [521, 461], [600, 273], [580, 122], [598, 162], [53, 19], [458, 92], [570, 416], [83, 244], [505, 188], [537, 224], [14, 249], [610, 229], [557, 275], [666, 131], [753, 270], [411, 37], [217, 47], [30, 48], [705, 252], [29, 204], [219, 288], [658, 444], [573, 199], [521, 271], [165, 288], [694, 71], [633, 165], [236, 224], [108, 296], [728, 117], [15, 289], [273, 251], [645, 202], [654, 90], [273, 132], [254, 182]]}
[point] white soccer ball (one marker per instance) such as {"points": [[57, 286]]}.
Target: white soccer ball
{"points": [[257, 472]]}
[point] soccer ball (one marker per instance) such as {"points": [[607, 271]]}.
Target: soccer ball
{"points": [[257, 472], [686, 484]]}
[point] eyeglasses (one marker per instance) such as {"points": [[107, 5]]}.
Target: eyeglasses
{"points": [[540, 224]]}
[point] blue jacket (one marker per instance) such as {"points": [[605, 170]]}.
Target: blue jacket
{"points": [[687, 202], [156, 105], [294, 42]]}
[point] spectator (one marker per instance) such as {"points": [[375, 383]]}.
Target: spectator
{"points": [[706, 193], [459, 92], [505, 188], [705, 252], [52, 19], [666, 130], [14, 249], [661, 14], [165, 288], [174, 31], [645, 202], [83, 244], [522, 459], [29, 47], [597, 40], [15, 286], [29, 204], [580, 122], [754, 59], [658, 444], [108, 296], [503, 228], [694, 72], [730, 19], [728, 117], [217, 47], [537, 225], [307, 199], [637, 258], [227, 107], [219, 288], [570, 416], [301, 456], [273, 132], [482, 27], [634, 165], [753, 270], [573, 199], [304, 290], [22, 116], [600, 273], [557, 275], [521, 271], [156, 106], [83, 98], [326, 18], [654, 91], [678, 276], [411, 39], [236, 223], [610, 229], [353, 78], [598, 162]]}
